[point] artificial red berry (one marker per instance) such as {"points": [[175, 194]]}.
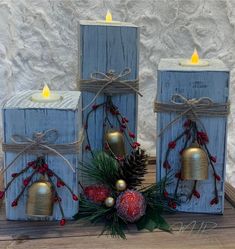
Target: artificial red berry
{"points": [[202, 138], [214, 201], [166, 165], [41, 170], [45, 166], [14, 175], [123, 126], [134, 146], [50, 173], [87, 147], [181, 152], [26, 181], [75, 198], [131, 134], [120, 158], [196, 193], [178, 175], [187, 123], [14, 203], [125, 120], [59, 183], [57, 199], [94, 107], [213, 159], [31, 164], [217, 177], [172, 145], [172, 204], [165, 194], [106, 146], [1, 194], [62, 222]]}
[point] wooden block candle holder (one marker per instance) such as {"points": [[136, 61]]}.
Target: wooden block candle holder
{"points": [[189, 86], [107, 48], [22, 119]]}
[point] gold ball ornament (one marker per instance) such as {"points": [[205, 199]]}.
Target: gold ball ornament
{"points": [[121, 185], [109, 201]]}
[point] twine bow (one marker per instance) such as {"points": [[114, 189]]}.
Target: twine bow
{"points": [[109, 83], [42, 142], [192, 108]]}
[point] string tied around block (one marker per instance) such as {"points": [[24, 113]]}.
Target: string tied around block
{"points": [[191, 108], [42, 142], [109, 83]]}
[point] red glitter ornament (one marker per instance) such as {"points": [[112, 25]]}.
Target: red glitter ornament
{"points": [[97, 193], [131, 205]]}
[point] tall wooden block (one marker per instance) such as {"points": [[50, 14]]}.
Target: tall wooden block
{"points": [[105, 47], [193, 82], [23, 117]]}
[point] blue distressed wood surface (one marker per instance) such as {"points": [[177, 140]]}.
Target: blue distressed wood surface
{"points": [[25, 121], [193, 83], [103, 48]]}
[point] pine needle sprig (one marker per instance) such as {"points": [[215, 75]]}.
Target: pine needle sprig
{"points": [[103, 169]]}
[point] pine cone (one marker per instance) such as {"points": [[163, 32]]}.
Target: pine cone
{"points": [[133, 168]]}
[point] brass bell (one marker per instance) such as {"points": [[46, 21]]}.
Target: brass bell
{"points": [[194, 163], [40, 199], [115, 142]]}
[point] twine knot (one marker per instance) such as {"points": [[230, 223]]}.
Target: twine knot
{"points": [[191, 108], [109, 83], [42, 142]]}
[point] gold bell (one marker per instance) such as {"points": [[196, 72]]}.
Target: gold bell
{"points": [[40, 199], [194, 163], [115, 142]]}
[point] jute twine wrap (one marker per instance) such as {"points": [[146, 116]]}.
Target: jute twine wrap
{"points": [[191, 108], [42, 143], [109, 84]]}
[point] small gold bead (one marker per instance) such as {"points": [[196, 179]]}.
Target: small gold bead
{"points": [[121, 185], [109, 201]]}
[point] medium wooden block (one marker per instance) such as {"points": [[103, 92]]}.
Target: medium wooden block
{"points": [[193, 82], [105, 47], [23, 117]]}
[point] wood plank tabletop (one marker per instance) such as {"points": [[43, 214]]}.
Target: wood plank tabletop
{"points": [[190, 231]]}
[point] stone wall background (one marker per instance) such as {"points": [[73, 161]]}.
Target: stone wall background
{"points": [[38, 43]]}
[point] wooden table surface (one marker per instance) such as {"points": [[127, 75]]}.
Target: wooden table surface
{"points": [[190, 231]]}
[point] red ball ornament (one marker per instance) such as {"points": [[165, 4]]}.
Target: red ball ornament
{"points": [[97, 193], [131, 205]]}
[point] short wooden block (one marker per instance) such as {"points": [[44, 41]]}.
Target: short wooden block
{"points": [[23, 117], [103, 48], [193, 82]]}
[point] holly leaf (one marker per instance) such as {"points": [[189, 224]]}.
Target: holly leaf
{"points": [[153, 220]]}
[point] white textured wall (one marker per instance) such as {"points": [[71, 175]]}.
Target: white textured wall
{"points": [[38, 42]]}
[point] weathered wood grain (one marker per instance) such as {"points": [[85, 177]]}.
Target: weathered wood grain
{"points": [[103, 48], [22, 117], [212, 82], [188, 232]]}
